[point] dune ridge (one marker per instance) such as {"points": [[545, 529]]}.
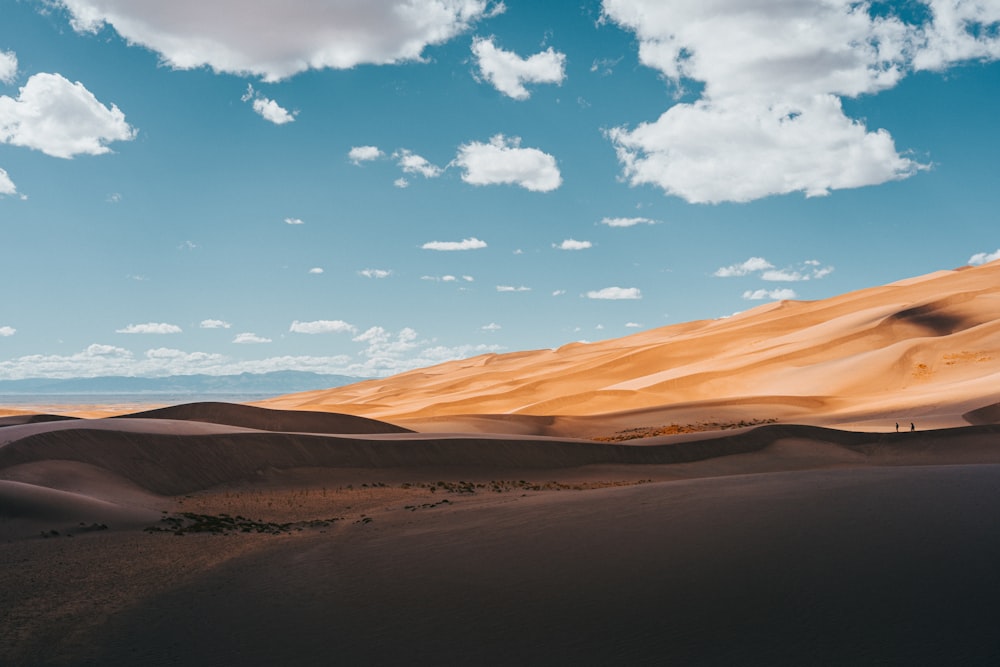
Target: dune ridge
{"points": [[928, 340]]}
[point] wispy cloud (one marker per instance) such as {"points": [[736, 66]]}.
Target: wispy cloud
{"points": [[511, 288], [492, 326], [267, 108], [627, 222], [8, 67], [375, 273], [250, 339], [7, 186], [316, 270], [773, 294], [214, 324], [508, 72], [573, 244], [471, 243], [615, 293], [322, 327], [411, 163], [150, 328], [502, 161], [294, 221], [744, 268], [984, 257]]}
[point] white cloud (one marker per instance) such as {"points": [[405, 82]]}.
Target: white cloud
{"points": [[60, 118], [466, 244], [627, 222], [492, 326], [411, 163], [322, 327], [250, 339], [558, 292], [294, 221], [984, 258], [615, 293], [401, 183], [633, 325], [508, 72], [268, 109], [359, 154], [315, 271], [769, 119], [114, 198], [783, 275], [275, 40], [188, 245], [511, 288], [7, 331], [774, 294], [214, 324], [375, 273], [745, 268], [150, 328], [7, 186], [503, 161], [8, 66], [572, 244]]}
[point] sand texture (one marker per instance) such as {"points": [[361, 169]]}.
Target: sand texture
{"points": [[718, 493]]}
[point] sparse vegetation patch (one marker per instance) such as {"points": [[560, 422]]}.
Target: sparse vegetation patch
{"points": [[677, 429], [222, 524]]}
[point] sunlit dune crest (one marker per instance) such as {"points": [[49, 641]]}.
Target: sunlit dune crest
{"points": [[925, 347]]}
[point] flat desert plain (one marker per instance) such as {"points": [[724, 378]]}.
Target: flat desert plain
{"points": [[728, 492]]}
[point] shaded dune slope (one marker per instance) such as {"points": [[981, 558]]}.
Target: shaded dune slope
{"points": [[176, 464], [263, 419]]}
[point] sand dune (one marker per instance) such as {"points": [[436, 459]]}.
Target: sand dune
{"points": [[932, 340]]}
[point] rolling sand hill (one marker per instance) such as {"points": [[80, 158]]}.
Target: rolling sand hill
{"points": [[730, 492]]}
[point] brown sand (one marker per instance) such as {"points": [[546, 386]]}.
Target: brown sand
{"points": [[485, 525]]}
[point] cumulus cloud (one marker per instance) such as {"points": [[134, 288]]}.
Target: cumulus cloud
{"points": [[984, 257], [573, 244], [492, 326], [511, 288], [214, 324], [769, 119], [633, 325], [744, 268], [248, 338], [411, 163], [268, 109], [615, 293], [773, 294], [359, 154], [558, 292], [401, 183], [275, 40], [508, 72], [375, 273], [294, 221], [465, 244], [150, 328], [316, 270], [60, 118], [627, 222], [8, 66], [322, 327], [503, 161], [7, 331], [7, 186]]}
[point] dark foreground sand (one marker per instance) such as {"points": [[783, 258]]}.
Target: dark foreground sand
{"points": [[794, 546]]}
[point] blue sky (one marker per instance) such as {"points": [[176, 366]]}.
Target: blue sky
{"points": [[367, 188]]}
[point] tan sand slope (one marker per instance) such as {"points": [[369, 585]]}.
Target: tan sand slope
{"points": [[926, 348]]}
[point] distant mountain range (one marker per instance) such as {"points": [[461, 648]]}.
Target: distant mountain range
{"points": [[272, 384]]}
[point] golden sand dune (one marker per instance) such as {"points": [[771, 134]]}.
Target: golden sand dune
{"points": [[926, 348]]}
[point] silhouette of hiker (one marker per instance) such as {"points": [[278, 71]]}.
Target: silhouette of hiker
{"points": [[897, 427], [912, 427]]}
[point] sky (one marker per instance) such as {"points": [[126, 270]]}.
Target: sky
{"points": [[368, 187]]}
